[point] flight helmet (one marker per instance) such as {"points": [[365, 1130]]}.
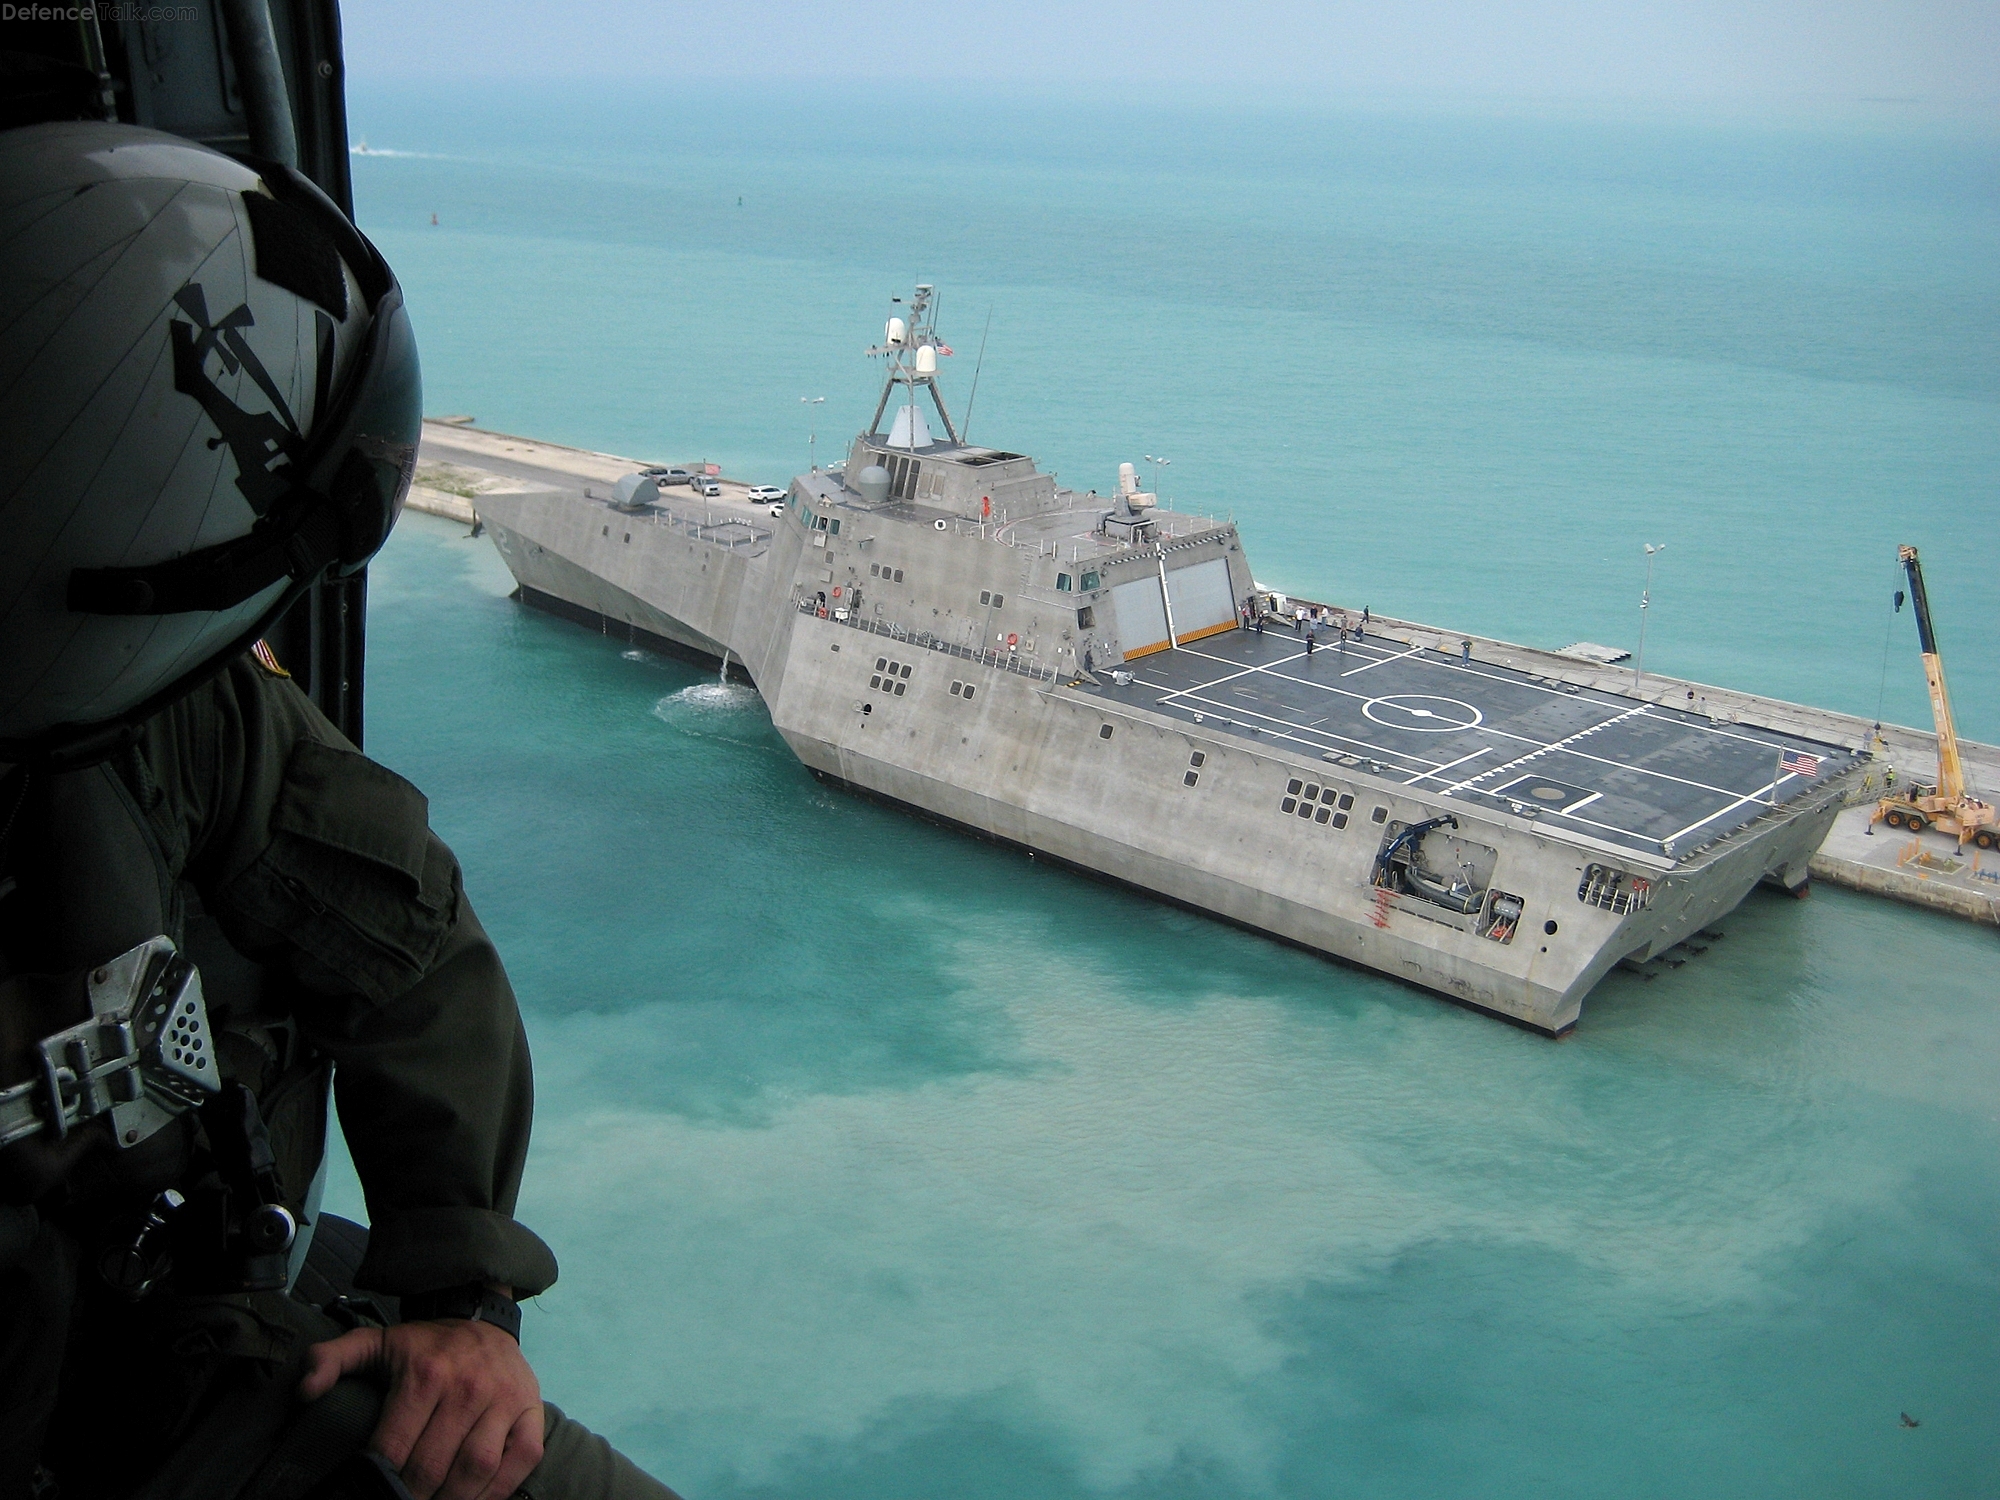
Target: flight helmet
{"points": [[209, 397]]}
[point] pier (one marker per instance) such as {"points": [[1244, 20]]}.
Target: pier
{"points": [[459, 463]]}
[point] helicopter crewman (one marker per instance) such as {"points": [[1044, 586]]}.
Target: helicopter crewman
{"points": [[211, 904]]}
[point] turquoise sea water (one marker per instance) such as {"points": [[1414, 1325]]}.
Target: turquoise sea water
{"points": [[885, 1163]]}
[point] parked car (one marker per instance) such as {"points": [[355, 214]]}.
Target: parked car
{"points": [[666, 475], [778, 509], [765, 493], [706, 486]]}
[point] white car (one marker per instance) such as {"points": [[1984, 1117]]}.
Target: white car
{"points": [[764, 494]]}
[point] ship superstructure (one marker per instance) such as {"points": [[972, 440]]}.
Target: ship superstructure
{"points": [[941, 625]]}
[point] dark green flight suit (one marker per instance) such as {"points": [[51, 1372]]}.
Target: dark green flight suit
{"points": [[331, 929]]}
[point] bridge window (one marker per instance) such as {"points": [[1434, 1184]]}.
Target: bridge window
{"points": [[1062, 583], [1089, 582]]}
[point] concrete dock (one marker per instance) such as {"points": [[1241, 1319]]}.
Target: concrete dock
{"points": [[458, 463]]}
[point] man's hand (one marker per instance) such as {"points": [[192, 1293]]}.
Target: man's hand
{"points": [[464, 1416]]}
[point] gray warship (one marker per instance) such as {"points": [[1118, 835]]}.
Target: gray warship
{"points": [[943, 626]]}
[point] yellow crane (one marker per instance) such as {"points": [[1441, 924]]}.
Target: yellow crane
{"points": [[1947, 807]]}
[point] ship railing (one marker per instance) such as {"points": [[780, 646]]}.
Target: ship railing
{"points": [[1183, 530], [924, 640], [736, 533]]}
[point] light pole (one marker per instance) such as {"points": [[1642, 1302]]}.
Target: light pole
{"points": [[1645, 602], [1158, 464], [812, 431]]}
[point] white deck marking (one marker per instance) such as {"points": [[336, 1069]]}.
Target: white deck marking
{"points": [[1611, 698], [1251, 670], [1229, 708], [1570, 745], [1762, 792], [1482, 750], [1549, 748], [1402, 656], [1543, 747]]}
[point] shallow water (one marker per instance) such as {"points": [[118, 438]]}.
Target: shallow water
{"points": [[882, 1162]]}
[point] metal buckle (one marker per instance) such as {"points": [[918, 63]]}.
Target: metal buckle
{"points": [[145, 1055]]}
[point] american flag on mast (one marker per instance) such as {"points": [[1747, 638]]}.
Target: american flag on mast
{"points": [[1798, 762]]}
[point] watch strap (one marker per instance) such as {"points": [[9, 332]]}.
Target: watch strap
{"points": [[475, 1304]]}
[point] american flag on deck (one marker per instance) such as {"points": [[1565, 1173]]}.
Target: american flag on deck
{"points": [[1798, 762]]}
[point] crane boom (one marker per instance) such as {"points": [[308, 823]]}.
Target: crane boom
{"points": [[1951, 773]]}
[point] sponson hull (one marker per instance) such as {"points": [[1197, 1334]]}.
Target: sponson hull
{"points": [[940, 625]]}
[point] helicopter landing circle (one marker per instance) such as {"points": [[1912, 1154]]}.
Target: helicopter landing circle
{"points": [[1422, 713]]}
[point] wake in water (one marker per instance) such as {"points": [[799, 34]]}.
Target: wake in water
{"points": [[713, 710]]}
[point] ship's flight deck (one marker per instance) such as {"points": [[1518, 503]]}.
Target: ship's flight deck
{"points": [[1620, 769]]}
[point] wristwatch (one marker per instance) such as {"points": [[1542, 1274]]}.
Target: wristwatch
{"points": [[474, 1303]]}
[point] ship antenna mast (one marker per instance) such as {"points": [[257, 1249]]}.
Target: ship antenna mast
{"points": [[912, 350]]}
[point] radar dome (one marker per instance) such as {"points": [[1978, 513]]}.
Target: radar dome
{"points": [[894, 333], [927, 360], [873, 482]]}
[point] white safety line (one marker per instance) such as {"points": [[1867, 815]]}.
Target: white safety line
{"points": [[1613, 828], [1767, 790], [1216, 682], [1570, 811], [1483, 749], [1230, 708], [1548, 748], [1566, 746], [1403, 656]]}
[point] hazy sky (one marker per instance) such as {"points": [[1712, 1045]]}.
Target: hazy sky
{"points": [[1932, 54]]}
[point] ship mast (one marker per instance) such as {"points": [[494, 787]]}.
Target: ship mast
{"points": [[912, 352]]}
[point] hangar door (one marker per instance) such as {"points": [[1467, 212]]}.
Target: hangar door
{"points": [[1204, 603], [1142, 616]]}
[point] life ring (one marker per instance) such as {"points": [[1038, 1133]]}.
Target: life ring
{"points": [[836, 591], [938, 524], [822, 611], [1013, 641]]}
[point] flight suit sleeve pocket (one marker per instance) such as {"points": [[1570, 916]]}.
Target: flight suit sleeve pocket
{"points": [[353, 876]]}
